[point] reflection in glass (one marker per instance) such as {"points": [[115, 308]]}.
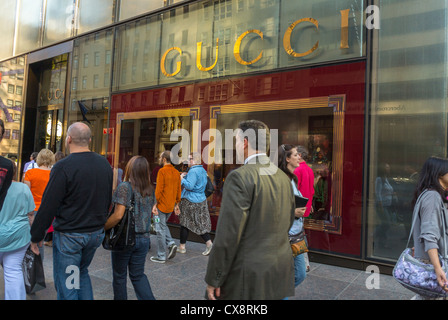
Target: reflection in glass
{"points": [[133, 8], [95, 14], [7, 24], [11, 102], [30, 25], [147, 137], [408, 119], [59, 20], [311, 128], [90, 98]]}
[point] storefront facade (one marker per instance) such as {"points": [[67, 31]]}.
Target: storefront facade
{"points": [[356, 98]]}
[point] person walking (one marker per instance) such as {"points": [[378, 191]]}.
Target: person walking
{"points": [[48, 240], [15, 219], [168, 193], [194, 213], [30, 164], [37, 179], [251, 256], [78, 196], [288, 161], [305, 184], [432, 214], [137, 183]]}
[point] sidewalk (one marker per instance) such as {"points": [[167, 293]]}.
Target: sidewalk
{"points": [[182, 278]]}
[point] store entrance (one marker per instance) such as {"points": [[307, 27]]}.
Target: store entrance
{"points": [[44, 117]]}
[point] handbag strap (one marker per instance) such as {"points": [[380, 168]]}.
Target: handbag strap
{"points": [[415, 214]]}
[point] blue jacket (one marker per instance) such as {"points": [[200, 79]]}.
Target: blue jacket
{"points": [[194, 184]]}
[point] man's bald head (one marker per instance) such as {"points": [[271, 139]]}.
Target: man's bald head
{"points": [[80, 134]]}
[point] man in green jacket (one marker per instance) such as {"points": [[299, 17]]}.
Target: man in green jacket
{"points": [[251, 256]]}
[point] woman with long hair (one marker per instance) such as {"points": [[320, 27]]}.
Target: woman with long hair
{"points": [[288, 161], [137, 183], [431, 199]]}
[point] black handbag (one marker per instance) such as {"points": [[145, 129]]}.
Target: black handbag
{"points": [[122, 236], [209, 188]]}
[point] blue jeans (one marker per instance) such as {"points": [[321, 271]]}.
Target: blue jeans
{"points": [[72, 255], [164, 238], [134, 259], [299, 269]]}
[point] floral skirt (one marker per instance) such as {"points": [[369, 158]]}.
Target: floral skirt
{"points": [[195, 216]]}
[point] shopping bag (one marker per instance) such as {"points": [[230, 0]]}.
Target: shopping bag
{"points": [[33, 272]]}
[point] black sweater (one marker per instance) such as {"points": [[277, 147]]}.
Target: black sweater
{"points": [[78, 195]]}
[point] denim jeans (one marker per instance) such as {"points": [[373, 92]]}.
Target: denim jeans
{"points": [[299, 269], [72, 255], [134, 259], [164, 238]]}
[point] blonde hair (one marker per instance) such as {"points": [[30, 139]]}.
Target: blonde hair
{"points": [[45, 158]]}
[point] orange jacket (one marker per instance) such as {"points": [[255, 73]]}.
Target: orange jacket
{"points": [[168, 188]]}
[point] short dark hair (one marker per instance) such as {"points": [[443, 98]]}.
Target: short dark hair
{"points": [[256, 125]]}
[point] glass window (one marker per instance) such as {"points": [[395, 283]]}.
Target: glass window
{"points": [[7, 24], [212, 39], [132, 8], [95, 14], [11, 103], [30, 25], [90, 99], [408, 117], [59, 20], [128, 65]]}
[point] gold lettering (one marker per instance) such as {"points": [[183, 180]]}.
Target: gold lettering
{"points": [[344, 29], [199, 55], [162, 62], [237, 49], [287, 38]]}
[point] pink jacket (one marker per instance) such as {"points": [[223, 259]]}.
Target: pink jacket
{"points": [[305, 176]]}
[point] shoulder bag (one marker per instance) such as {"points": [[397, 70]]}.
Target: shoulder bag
{"points": [[122, 236], [417, 275], [298, 243]]}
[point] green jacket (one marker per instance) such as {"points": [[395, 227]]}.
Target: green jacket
{"points": [[251, 256]]}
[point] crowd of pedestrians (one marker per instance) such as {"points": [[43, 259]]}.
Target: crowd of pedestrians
{"points": [[71, 197]]}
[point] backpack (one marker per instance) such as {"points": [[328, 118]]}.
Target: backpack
{"points": [[209, 188]]}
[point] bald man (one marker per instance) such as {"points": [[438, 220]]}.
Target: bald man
{"points": [[78, 196]]}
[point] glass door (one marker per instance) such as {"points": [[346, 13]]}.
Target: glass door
{"points": [[50, 130], [50, 106]]}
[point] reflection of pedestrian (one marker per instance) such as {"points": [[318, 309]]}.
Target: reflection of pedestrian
{"points": [[305, 184], [322, 196], [15, 219], [251, 256], [79, 195], [37, 180], [168, 192], [429, 240], [194, 213], [138, 183], [384, 197], [288, 160], [305, 177]]}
